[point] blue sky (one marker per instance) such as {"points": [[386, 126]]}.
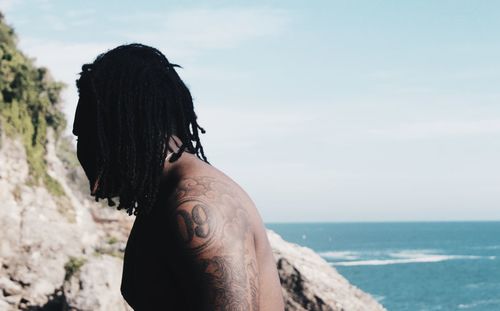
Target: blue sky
{"points": [[321, 110]]}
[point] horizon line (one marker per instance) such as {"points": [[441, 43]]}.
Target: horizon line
{"points": [[380, 221]]}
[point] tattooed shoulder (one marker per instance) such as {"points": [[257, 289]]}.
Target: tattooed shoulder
{"points": [[212, 222], [196, 224], [204, 207]]}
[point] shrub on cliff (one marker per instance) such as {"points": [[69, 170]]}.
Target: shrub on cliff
{"points": [[29, 104]]}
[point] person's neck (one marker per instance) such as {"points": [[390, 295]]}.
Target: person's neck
{"points": [[173, 148]]}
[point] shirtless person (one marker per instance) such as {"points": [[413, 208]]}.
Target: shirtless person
{"points": [[198, 242]]}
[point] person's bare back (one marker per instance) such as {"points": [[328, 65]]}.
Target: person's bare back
{"points": [[220, 258]]}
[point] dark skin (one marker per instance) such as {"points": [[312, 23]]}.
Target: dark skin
{"points": [[202, 247]]}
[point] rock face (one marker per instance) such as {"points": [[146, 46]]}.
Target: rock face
{"points": [[310, 283], [51, 254]]}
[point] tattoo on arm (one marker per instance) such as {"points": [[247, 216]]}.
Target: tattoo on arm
{"points": [[194, 224], [213, 226]]}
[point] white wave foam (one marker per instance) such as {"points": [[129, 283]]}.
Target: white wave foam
{"points": [[475, 285], [391, 257], [491, 247], [422, 259], [479, 303], [378, 298], [413, 253], [345, 255]]}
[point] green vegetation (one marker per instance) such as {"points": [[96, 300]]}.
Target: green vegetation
{"points": [[65, 151], [29, 104], [73, 266], [112, 240], [65, 208], [100, 251]]}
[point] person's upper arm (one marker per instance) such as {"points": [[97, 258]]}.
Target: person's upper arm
{"points": [[215, 233]]}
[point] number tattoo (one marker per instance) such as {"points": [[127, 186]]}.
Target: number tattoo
{"points": [[194, 223]]}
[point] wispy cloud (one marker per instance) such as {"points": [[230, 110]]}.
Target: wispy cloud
{"points": [[224, 27], [54, 22], [202, 28], [80, 17], [438, 129], [6, 5], [183, 34], [257, 125]]}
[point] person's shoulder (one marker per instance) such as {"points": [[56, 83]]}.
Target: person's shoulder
{"points": [[214, 224], [215, 233], [198, 178], [208, 209]]}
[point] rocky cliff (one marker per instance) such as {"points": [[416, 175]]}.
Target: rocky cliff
{"points": [[51, 247], [310, 283], [61, 251]]}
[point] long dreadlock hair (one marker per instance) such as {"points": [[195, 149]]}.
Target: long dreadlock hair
{"points": [[137, 101]]}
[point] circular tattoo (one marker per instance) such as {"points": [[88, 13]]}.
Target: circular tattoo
{"points": [[185, 225], [201, 218]]}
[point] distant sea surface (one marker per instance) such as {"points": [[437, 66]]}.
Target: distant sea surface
{"points": [[411, 266]]}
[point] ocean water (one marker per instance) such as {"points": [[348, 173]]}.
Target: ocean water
{"points": [[412, 266]]}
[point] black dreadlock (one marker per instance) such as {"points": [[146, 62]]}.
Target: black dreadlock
{"points": [[133, 101]]}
